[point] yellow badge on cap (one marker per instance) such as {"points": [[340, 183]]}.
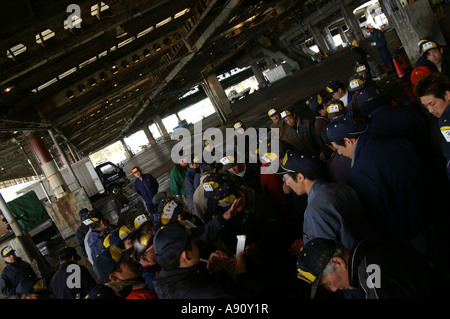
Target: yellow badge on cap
{"points": [[168, 211], [445, 130], [285, 113], [285, 158], [272, 112]]}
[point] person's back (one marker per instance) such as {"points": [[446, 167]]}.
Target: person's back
{"points": [[391, 181], [400, 266], [335, 212], [176, 181], [59, 286], [191, 283]]}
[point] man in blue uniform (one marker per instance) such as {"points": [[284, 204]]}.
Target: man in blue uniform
{"points": [[14, 272], [390, 178], [333, 211], [146, 186]]}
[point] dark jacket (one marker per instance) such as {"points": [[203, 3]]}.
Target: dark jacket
{"points": [[192, 180], [13, 274], [147, 188], [359, 55], [251, 178], [304, 130], [79, 236], [195, 283], [392, 270], [391, 181], [59, 286]]}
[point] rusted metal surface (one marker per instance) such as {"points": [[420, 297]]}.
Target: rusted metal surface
{"points": [[64, 212]]}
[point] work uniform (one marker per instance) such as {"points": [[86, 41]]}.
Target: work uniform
{"points": [[147, 187], [444, 126], [13, 274], [59, 286], [335, 212]]}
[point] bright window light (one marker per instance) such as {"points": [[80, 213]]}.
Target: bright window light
{"points": [[16, 50], [44, 36], [163, 22], [182, 12]]}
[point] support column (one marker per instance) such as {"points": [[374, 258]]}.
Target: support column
{"points": [[351, 22], [319, 39], [47, 164], [128, 152], [413, 22], [329, 39], [158, 121], [149, 135], [218, 97]]}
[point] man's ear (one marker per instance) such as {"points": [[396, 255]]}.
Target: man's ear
{"points": [[447, 96], [339, 262], [113, 277], [349, 141], [300, 177]]}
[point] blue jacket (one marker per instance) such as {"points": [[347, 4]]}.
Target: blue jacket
{"points": [[192, 180], [334, 212], [402, 121], [390, 179], [13, 274], [146, 188]]}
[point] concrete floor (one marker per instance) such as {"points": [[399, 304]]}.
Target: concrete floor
{"points": [[290, 92]]}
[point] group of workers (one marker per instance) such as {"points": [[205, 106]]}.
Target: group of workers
{"points": [[355, 205]]}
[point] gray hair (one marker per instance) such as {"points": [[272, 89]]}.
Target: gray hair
{"points": [[338, 252]]}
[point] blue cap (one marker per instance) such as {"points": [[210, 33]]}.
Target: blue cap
{"points": [[369, 99], [313, 259], [344, 127], [333, 86], [427, 43], [117, 236], [102, 291], [226, 194], [92, 217], [7, 251], [68, 252], [299, 162], [169, 208], [211, 183], [108, 260], [170, 239], [314, 102]]}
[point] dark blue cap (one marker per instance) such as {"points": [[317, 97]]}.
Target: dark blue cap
{"points": [[102, 291], [169, 208], [108, 260], [211, 183], [170, 239], [299, 162], [68, 252], [369, 99], [313, 259], [333, 86], [344, 127], [92, 217], [314, 102], [226, 194]]}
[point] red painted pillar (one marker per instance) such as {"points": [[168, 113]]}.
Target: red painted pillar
{"points": [[47, 164]]}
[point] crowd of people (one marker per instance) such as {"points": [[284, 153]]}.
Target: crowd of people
{"points": [[356, 205]]}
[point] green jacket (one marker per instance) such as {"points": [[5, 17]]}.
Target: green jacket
{"points": [[176, 180]]}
